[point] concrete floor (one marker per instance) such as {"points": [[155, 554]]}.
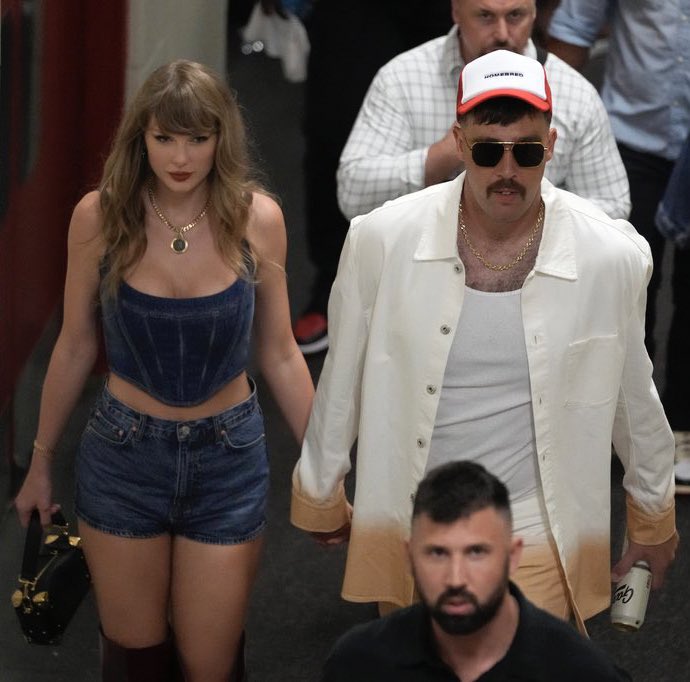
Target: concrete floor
{"points": [[296, 612]]}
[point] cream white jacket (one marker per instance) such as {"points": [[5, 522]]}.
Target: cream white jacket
{"points": [[392, 314]]}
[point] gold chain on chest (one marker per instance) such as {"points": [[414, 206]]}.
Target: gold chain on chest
{"points": [[179, 244], [504, 266]]}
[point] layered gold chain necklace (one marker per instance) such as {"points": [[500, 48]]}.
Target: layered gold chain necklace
{"points": [[179, 244], [505, 266]]}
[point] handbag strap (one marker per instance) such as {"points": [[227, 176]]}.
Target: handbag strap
{"points": [[33, 542]]}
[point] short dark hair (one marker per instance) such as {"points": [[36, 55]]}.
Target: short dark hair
{"points": [[502, 111], [459, 489]]}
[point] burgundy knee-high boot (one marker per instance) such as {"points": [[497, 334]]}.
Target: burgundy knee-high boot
{"points": [[237, 674], [149, 664]]}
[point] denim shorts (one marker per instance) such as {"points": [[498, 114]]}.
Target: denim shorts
{"points": [[205, 479]]}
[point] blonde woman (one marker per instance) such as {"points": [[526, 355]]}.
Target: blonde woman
{"points": [[183, 256]]}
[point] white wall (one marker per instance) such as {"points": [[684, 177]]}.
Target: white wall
{"points": [[162, 30]]}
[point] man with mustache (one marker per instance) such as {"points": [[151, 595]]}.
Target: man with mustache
{"points": [[472, 622], [500, 317], [403, 137]]}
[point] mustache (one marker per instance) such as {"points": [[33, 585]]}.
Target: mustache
{"points": [[508, 184], [454, 593]]}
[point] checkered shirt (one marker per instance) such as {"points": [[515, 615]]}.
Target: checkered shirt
{"points": [[411, 103]]}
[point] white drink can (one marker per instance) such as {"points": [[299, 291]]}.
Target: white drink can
{"points": [[630, 597]]}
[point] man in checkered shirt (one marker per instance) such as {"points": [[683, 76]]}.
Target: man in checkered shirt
{"points": [[402, 140]]}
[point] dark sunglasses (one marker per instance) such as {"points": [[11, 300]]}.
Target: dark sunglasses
{"points": [[488, 154]]}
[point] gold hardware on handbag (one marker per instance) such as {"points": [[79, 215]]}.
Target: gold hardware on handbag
{"points": [[53, 581]]}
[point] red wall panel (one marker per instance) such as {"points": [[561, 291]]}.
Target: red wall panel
{"points": [[78, 83]]}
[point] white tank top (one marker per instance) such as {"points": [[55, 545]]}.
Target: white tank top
{"points": [[485, 407]]}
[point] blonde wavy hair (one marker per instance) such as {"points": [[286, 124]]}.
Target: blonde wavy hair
{"points": [[185, 98]]}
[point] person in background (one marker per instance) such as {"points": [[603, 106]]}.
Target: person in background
{"points": [[499, 317], [403, 139], [646, 91], [185, 256], [472, 622], [673, 221], [350, 40], [540, 33]]}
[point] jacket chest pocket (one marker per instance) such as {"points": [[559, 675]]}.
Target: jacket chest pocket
{"points": [[593, 370]]}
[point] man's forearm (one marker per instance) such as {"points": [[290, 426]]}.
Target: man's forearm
{"points": [[442, 161], [574, 55]]}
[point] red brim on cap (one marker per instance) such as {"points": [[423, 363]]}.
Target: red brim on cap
{"points": [[536, 102]]}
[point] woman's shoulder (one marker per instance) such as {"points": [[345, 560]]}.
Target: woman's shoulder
{"points": [[264, 209], [90, 203], [86, 226], [265, 223], [87, 216]]}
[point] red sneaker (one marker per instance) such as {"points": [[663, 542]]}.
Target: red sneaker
{"points": [[311, 332]]}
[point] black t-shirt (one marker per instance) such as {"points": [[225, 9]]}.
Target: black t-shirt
{"points": [[400, 648]]}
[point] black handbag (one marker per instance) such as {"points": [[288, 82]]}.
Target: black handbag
{"points": [[53, 581]]}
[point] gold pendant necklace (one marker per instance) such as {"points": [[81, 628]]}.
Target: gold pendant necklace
{"points": [[523, 250], [179, 244]]}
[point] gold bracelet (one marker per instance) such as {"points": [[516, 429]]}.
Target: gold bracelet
{"points": [[43, 450]]}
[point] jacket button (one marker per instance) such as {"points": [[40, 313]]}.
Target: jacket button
{"points": [[430, 389], [457, 267], [421, 442], [445, 329]]}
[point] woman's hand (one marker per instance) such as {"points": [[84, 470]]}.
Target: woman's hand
{"points": [[36, 493], [336, 537]]}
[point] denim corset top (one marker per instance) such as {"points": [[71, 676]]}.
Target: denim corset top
{"points": [[179, 350]]}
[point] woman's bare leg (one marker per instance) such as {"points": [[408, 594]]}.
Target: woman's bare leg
{"points": [[210, 592], [131, 579]]}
